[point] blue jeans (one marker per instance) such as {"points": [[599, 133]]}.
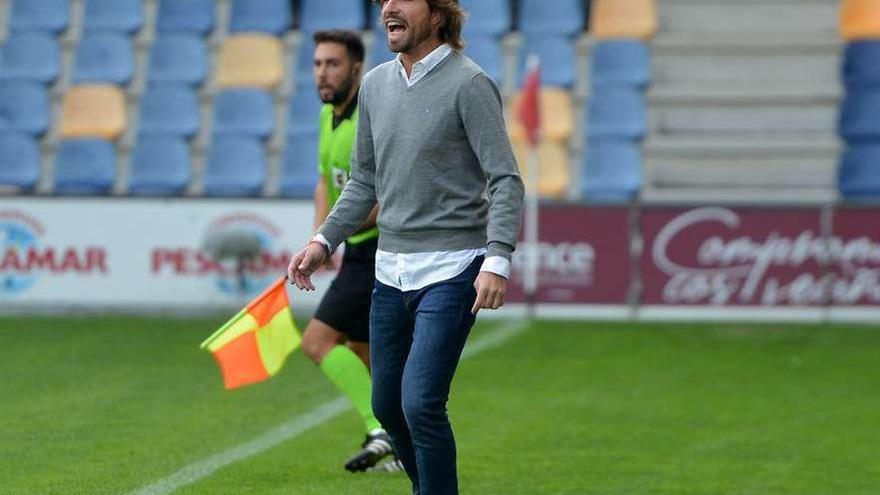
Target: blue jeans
{"points": [[416, 339]]}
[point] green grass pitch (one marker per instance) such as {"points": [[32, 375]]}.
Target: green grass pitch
{"points": [[108, 405]]}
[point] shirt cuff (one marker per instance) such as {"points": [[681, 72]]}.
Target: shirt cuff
{"points": [[323, 240], [498, 265]]}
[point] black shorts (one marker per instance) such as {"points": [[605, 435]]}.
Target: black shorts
{"points": [[346, 305]]}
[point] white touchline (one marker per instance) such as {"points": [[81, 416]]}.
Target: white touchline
{"points": [[298, 425]]}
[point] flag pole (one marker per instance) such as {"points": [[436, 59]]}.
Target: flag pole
{"points": [[531, 116]]}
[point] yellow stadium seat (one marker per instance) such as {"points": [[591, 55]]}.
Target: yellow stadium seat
{"points": [[557, 117], [554, 167], [628, 19], [93, 111], [860, 19], [250, 60]]}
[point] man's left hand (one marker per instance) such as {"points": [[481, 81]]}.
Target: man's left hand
{"points": [[491, 290]]}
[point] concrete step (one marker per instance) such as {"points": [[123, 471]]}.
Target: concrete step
{"points": [[700, 92], [760, 118], [749, 16], [675, 42], [737, 195], [743, 171], [807, 146], [729, 67]]}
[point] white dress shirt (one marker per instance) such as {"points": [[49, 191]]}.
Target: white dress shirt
{"points": [[414, 271]]}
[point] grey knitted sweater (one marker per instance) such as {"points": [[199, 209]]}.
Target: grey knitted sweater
{"points": [[437, 159]]}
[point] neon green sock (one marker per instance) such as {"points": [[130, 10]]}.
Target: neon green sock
{"points": [[350, 375]]}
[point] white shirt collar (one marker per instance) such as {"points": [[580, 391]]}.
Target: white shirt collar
{"points": [[421, 68]]}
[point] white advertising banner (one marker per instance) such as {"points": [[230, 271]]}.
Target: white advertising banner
{"points": [[144, 253]]}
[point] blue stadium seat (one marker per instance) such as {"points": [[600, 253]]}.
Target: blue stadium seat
{"points": [[178, 58], [305, 61], [616, 112], [860, 63], [19, 161], [486, 17], [859, 116], [557, 60], [24, 107], [538, 18], [39, 15], [169, 109], [299, 167], [105, 58], [303, 112], [859, 174], [186, 16], [236, 166], [268, 16], [123, 16], [379, 52], [620, 62], [486, 52], [244, 112], [30, 56], [160, 166], [85, 166], [332, 14], [612, 170]]}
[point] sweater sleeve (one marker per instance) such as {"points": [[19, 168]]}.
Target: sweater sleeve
{"points": [[359, 195], [480, 107]]}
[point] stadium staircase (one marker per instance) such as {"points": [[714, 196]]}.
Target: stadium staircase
{"points": [[743, 103]]}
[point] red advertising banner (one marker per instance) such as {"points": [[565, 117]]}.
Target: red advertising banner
{"points": [[855, 257], [716, 256], [584, 256]]}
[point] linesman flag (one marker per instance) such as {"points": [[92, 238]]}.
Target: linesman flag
{"points": [[529, 105], [253, 345]]}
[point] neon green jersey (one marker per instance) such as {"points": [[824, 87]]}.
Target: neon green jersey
{"points": [[334, 159]]}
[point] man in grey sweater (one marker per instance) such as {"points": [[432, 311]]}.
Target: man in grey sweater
{"points": [[433, 152]]}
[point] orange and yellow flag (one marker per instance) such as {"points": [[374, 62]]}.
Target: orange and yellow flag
{"points": [[253, 345]]}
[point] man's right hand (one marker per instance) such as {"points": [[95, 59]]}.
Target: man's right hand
{"points": [[304, 263]]}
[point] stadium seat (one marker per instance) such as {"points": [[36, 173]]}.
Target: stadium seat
{"points": [[244, 112], [30, 56], [486, 52], [859, 116], [19, 161], [236, 166], [39, 15], [299, 167], [250, 60], [557, 60], [93, 110], [557, 117], [85, 166], [303, 112], [612, 170], [186, 16], [24, 107], [859, 172], [620, 62], [861, 65], [860, 19], [123, 16], [379, 51], [178, 58], [486, 17], [305, 61], [536, 18], [104, 57], [331, 14], [624, 19], [616, 112], [554, 168], [160, 166], [169, 109], [267, 16]]}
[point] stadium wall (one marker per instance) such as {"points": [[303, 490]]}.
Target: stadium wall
{"points": [[809, 263]]}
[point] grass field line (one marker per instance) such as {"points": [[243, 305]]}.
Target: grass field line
{"points": [[300, 424]]}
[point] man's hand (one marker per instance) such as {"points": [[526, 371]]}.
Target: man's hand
{"points": [[491, 290], [304, 263]]}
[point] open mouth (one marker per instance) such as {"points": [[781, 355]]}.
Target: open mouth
{"points": [[395, 27]]}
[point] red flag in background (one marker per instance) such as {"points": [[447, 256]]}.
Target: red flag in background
{"points": [[529, 112]]}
